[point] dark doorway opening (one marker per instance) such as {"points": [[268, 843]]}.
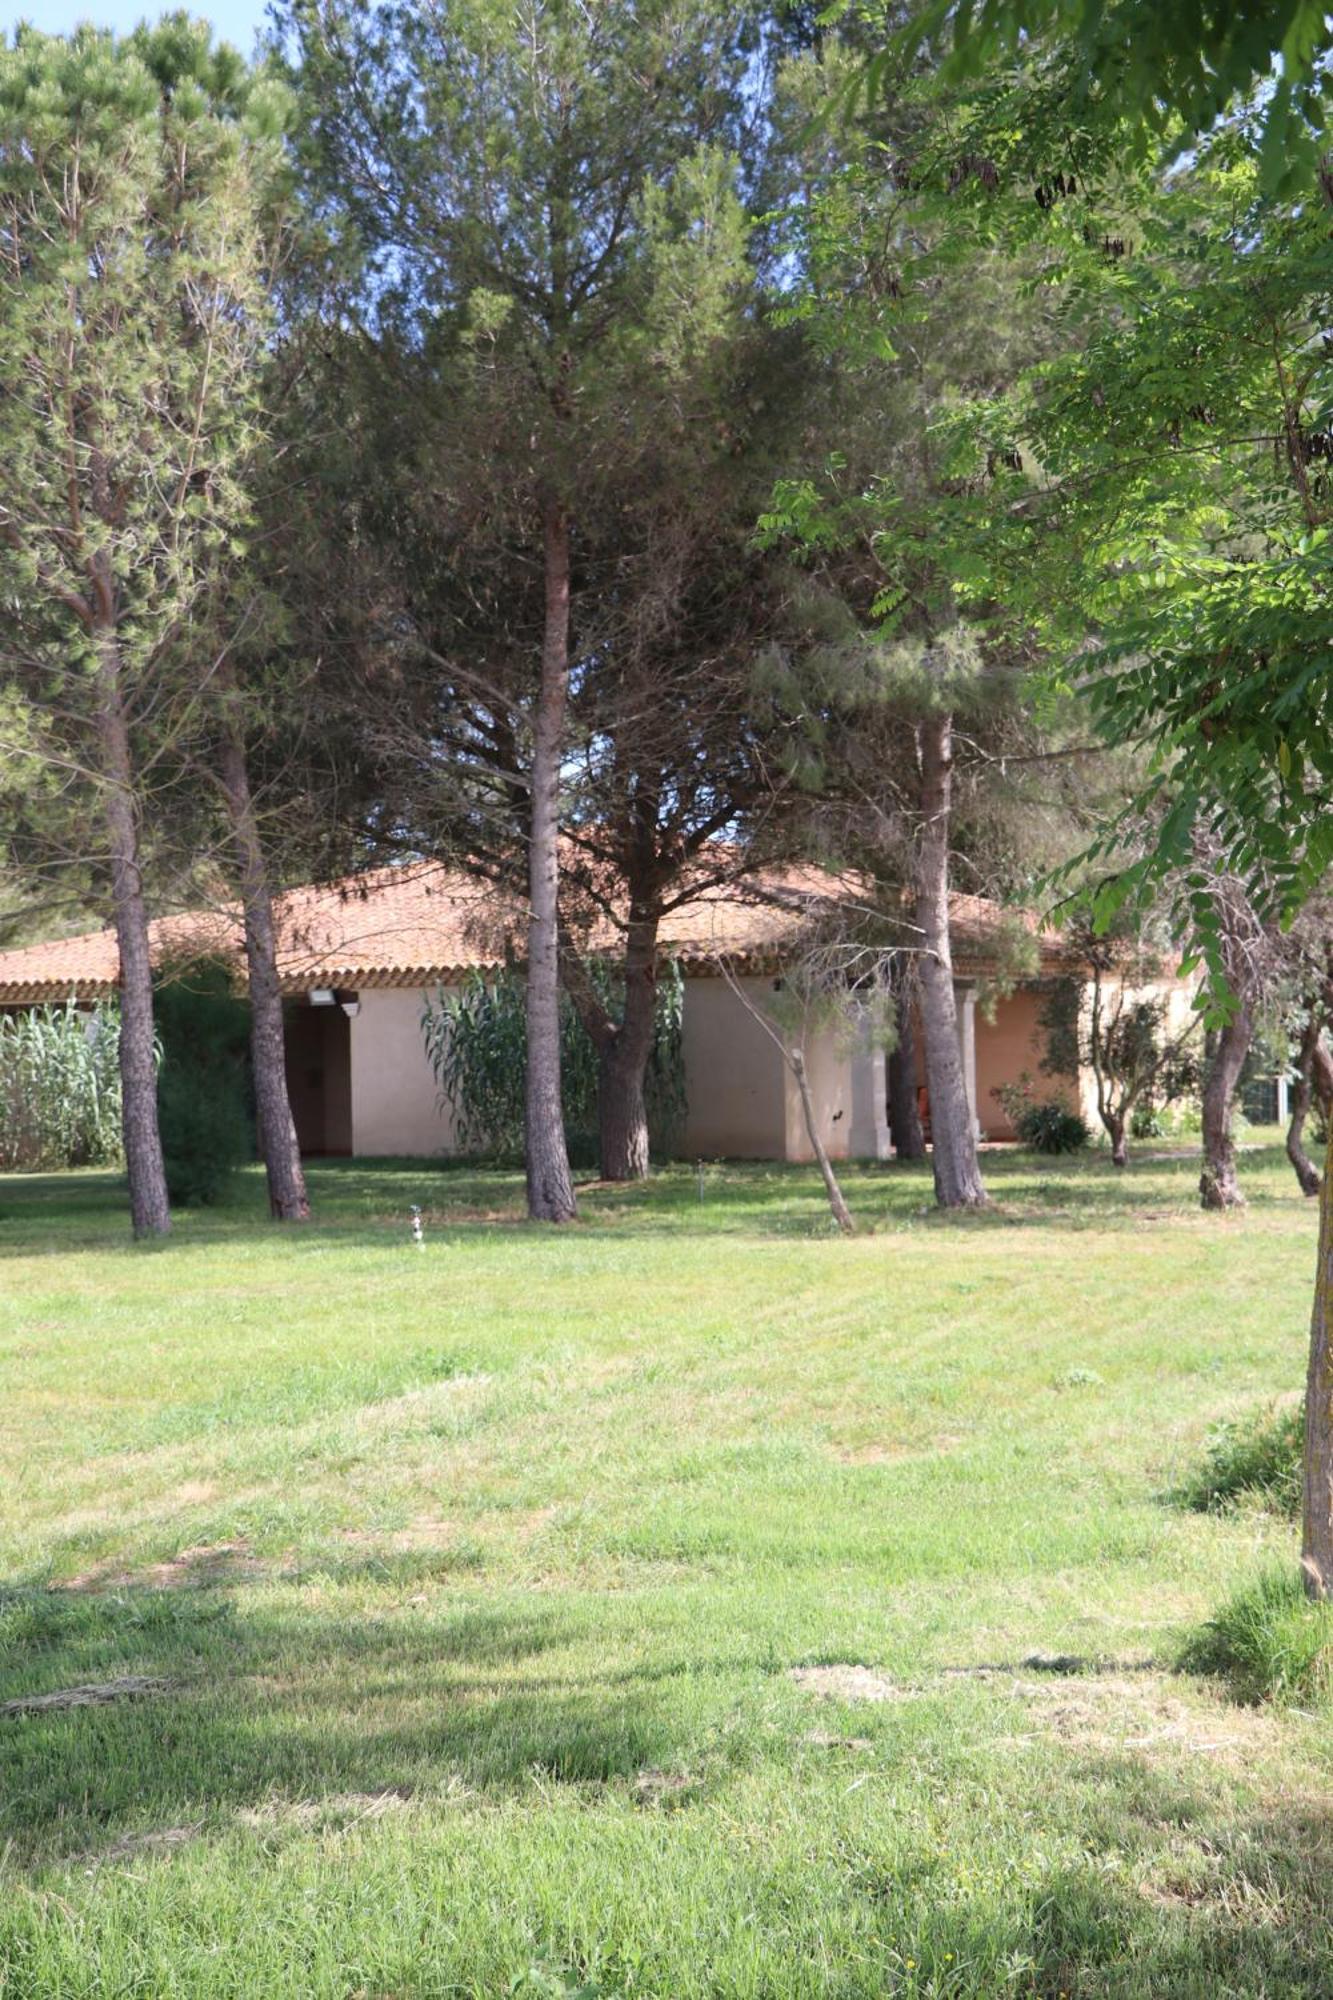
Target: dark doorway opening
{"points": [[319, 1078]]}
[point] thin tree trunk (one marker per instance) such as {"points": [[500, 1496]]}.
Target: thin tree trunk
{"points": [[622, 1115], [794, 1057], [150, 1212], [842, 1215], [1218, 1185], [904, 1110], [1317, 1496], [958, 1182], [550, 1186], [278, 1145], [1116, 1132], [1307, 1173]]}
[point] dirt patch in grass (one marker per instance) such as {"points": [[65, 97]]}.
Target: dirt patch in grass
{"points": [[338, 1809], [415, 1408], [419, 1533], [1150, 1717], [131, 1687], [884, 1453], [657, 1788], [848, 1683], [190, 1569], [159, 1840]]}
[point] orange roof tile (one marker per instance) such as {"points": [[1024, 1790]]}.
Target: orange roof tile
{"points": [[419, 922]]}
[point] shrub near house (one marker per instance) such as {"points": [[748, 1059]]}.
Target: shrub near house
{"points": [[59, 1088]]}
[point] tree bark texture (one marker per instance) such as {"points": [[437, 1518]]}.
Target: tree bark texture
{"points": [[150, 1212], [958, 1182], [623, 1054], [1117, 1133], [1317, 1495], [1218, 1185], [623, 1049], [842, 1215], [278, 1145], [549, 1183], [904, 1111], [1307, 1173]]}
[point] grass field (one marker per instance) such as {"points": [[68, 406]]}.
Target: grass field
{"points": [[469, 1583]]}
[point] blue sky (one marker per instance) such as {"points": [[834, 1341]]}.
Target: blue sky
{"points": [[233, 20]]}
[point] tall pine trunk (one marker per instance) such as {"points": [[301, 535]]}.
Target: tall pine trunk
{"points": [[1317, 1495], [1218, 1185], [150, 1212], [904, 1110], [550, 1186], [278, 1146], [958, 1182], [623, 1054]]}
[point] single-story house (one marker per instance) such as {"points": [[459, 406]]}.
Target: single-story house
{"points": [[358, 960]]}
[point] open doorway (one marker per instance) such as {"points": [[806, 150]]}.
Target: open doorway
{"points": [[319, 1078]]}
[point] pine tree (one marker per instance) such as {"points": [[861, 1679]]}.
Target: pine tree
{"points": [[131, 303], [543, 186]]}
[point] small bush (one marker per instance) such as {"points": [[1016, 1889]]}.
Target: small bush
{"points": [[205, 1136], [1052, 1128], [1269, 1642], [203, 1087], [1256, 1457]]}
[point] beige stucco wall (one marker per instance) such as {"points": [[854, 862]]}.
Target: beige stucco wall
{"points": [[1181, 1014], [736, 1099], [829, 1069], [742, 1101], [737, 1103], [1007, 1046], [395, 1107]]}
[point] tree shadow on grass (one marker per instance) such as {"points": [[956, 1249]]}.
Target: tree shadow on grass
{"points": [[276, 1714], [369, 1202], [256, 1703], [1177, 1897]]}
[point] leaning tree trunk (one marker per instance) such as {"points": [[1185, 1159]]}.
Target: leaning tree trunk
{"points": [[904, 1111], [150, 1212], [958, 1182], [1307, 1173], [550, 1186], [278, 1146], [623, 1053], [842, 1215], [1317, 1496], [1218, 1185]]}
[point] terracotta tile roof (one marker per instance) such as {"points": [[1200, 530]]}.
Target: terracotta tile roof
{"points": [[410, 925]]}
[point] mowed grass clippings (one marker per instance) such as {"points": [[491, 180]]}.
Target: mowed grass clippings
{"points": [[451, 1612]]}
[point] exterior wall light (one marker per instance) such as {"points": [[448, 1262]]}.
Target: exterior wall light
{"points": [[351, 1007]]}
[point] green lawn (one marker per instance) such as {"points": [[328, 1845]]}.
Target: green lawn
{"points": [[474, 1578]]}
